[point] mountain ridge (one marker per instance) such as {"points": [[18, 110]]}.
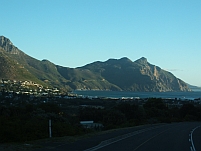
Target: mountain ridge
{"points": [[114, 74]]}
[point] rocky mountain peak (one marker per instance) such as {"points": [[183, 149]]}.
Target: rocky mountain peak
{"points": [[121, 60], [125, 59], [8, 46], [142, 60], [113, 74], [4, 41]]}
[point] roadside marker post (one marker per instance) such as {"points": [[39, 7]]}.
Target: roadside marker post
{"points": [[50, 128]]}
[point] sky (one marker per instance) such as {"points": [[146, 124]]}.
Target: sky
{"points": [[73, 33]]}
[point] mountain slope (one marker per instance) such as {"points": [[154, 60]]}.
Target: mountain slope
{"points": [[194, 88], [43, 72], [137, 76], [11, 69], [113, 74]]}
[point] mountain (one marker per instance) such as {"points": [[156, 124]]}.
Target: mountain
{"points": [[17, 65], [194, 88], [139, 75], [113, 74]]}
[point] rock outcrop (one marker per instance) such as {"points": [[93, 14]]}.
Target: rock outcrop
{"points": [[113, 74]]}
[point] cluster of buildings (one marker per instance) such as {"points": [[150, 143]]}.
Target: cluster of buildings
{"points": [[25, 87], [13, 90]]}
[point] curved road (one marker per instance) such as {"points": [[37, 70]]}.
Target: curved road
{"points": [[162, 137], [172, 137]]}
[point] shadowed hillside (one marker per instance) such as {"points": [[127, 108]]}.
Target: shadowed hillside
{"points": [[113, 74]]}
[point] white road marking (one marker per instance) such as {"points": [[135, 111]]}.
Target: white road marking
{"points": [[191, 139], [119, 138]]}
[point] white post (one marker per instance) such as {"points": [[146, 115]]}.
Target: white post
{"points": [[50, 128]]}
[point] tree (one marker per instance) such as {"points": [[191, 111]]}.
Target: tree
{"points": [[133, 113], [188, 112], [156, 109], [113, 119]]}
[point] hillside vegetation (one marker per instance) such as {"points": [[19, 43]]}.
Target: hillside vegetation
{"points": [[113, 74]]}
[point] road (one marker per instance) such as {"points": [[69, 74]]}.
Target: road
{"points": [[173, 137], [163, 137]]}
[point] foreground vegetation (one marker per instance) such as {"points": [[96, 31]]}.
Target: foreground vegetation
{"points": [[27, 121]]}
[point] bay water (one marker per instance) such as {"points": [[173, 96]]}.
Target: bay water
{"points": [[120, 94]]}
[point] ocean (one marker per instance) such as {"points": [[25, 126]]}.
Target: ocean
{"points": [[120, 94]]}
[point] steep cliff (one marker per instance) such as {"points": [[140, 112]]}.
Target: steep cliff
{"points": [[113, 74]]}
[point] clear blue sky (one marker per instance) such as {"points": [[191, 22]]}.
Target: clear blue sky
{"points": [[73, 33]]}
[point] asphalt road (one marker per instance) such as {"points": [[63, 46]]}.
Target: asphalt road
{"points": [[172, 137], [162, 137]]}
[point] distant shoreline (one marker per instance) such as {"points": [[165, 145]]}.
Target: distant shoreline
{"points": [[119, 94]]}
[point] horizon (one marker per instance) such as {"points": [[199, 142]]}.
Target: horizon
{"points": [[76, 33], [94, 61]]}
